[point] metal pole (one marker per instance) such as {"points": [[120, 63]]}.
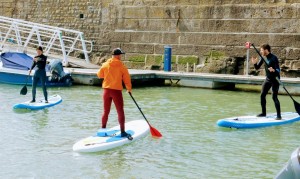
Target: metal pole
{"points": [[63, 50], [247, 70], [247, 45], [84, 48]]}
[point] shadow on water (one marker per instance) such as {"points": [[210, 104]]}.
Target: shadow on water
{"points": [[22, 111], [39, 118]]}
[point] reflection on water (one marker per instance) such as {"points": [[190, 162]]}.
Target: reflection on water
{"points": [[35, 143]]}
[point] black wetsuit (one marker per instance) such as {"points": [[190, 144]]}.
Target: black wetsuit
{"points": [[269, 82], [40, 73]]}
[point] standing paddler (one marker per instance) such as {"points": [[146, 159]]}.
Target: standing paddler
{"points": [[114, 73], [272, 70]]}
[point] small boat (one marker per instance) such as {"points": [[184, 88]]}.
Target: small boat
{"points": [[292, 167], [15, 66]]}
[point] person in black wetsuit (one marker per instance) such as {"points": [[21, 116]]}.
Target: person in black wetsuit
{"points": [[272, 72], [40, 74]]}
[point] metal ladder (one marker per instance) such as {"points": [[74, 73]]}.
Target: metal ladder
{"points": [[53, 39]]}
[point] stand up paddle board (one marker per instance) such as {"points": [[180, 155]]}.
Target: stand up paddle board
{"points": [[292, 168], [40, 103], [111, 138], [254, 122]]}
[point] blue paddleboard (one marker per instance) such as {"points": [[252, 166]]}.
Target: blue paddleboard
{"points": [[254, 122], [39, 104]]}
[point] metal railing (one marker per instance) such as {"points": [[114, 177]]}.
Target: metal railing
{"points": [[53, 39]]}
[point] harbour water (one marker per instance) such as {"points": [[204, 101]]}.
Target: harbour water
{"points": [[38, 144]]}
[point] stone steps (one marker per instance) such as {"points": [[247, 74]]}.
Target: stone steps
{"points": [[230, 11], [205, 38], [200, 43], [212, 25], [198, 27]]}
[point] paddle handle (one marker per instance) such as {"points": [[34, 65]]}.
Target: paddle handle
{"points": [[139, 108], [287, 92], [27, 78]]}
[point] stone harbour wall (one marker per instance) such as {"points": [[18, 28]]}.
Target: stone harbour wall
{"points": [[196, 30]]}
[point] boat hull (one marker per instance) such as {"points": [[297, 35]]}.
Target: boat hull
{"points": [[21, 79]]}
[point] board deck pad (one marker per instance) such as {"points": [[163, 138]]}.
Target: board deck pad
{"points": [[254, 122], [104, 133], [40, 103], [118, 136], [137, 129]]}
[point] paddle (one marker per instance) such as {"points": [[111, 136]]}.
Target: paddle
{"points": [[297, 105], [24, 89], [154, 132]]}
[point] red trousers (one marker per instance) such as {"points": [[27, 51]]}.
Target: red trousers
{"points": [[116, 96]]}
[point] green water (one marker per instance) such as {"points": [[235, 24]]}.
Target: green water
{"points": [[38, 144]]}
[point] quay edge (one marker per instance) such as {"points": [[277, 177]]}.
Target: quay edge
{"points": [[197, 80]]}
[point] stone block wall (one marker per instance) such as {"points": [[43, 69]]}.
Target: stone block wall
{"points": [[191, 27]]}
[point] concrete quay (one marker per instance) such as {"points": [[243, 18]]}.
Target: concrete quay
{"points": [[201, 80]]}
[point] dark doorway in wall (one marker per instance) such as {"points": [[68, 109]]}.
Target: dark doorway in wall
{"points": [[240, 61]]}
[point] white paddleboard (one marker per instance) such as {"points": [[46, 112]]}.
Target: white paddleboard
{"points": [[96, 143], [40, 103], [292, 168], [254, 122]]}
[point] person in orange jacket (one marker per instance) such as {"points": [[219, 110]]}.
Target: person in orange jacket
{"points": [[114, 72]]}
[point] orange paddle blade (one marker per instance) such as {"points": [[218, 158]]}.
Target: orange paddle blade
{"points": [[155, 132]]}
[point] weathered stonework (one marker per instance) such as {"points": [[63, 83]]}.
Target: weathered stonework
{"points": [[191, 27]]}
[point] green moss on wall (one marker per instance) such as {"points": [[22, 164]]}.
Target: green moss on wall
{"points": [[188, 59], [137, 58], [154, 60], [134, 65], [158, 59], [215, 54]]}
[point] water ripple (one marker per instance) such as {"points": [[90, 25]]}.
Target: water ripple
{"points": [[38, 144]]}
